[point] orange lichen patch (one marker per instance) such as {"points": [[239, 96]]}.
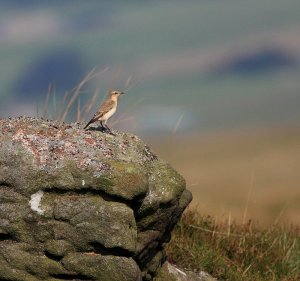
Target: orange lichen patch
{"points": [[27, 143], [35, 152], [5, 130], [50, 142], [90, 141]]}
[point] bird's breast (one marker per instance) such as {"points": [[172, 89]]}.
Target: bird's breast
{"points": [[107, 115]]}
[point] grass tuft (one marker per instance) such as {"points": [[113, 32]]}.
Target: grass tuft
{"points": [[75, 104], [241, 252]]}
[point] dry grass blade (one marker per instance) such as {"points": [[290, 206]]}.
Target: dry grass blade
{"points": [[133, 84], [177, 124], [54, 100], [78, 111], [248, 197], [130, 109], [46, 106], [127, 83], [283, 209], [214, 231], [88, 106], [247, 269], [76, 91], [229, 225], [62, 106], [130, 118], [290, 249]]}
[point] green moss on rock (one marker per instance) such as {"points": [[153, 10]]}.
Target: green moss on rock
{"points": [[104, 268], [165, 186], [58, 248]]}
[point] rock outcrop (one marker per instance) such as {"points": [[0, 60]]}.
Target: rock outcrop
{"points": [[83, 205]]}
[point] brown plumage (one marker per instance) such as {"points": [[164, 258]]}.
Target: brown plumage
{"points": [[106, 109]]}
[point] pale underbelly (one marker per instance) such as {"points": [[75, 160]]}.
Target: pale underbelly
{"points": [[110, 113]]}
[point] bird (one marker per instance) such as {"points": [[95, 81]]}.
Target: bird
{"points": [[106, 109]]}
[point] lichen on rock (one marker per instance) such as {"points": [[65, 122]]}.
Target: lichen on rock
{"points": [[83, 205]]}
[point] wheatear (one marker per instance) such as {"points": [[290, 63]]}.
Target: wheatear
{"points": [[106, 109]]}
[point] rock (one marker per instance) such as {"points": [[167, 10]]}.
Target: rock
{"points": [[83, 205], [170, 272]]}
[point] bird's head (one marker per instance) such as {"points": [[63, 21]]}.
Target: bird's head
{"points": [[115, 94]]}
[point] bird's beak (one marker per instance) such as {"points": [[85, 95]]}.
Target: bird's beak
{"points": [[122, 93]]}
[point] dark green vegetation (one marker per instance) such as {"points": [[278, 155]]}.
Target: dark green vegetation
{"points": [[236, 252]]}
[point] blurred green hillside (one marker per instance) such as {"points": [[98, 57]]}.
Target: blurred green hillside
{"points": [[218, 64]]}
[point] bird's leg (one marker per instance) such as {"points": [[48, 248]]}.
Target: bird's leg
{"points": [[101, 127], [106, 127]]}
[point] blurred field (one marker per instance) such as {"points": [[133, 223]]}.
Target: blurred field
{"points": [[240, 175]]}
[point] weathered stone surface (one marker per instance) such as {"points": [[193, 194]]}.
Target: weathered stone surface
{"points": [[98, 267], [92, 220], [83, 205]]}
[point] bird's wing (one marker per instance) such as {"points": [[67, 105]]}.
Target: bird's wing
{"points": [[103, 109]]}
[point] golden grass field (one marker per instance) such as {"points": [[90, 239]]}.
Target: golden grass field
{"points": [[239, 175]]}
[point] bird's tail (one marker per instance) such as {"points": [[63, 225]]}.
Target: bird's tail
{"points": [[90, 122]]}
